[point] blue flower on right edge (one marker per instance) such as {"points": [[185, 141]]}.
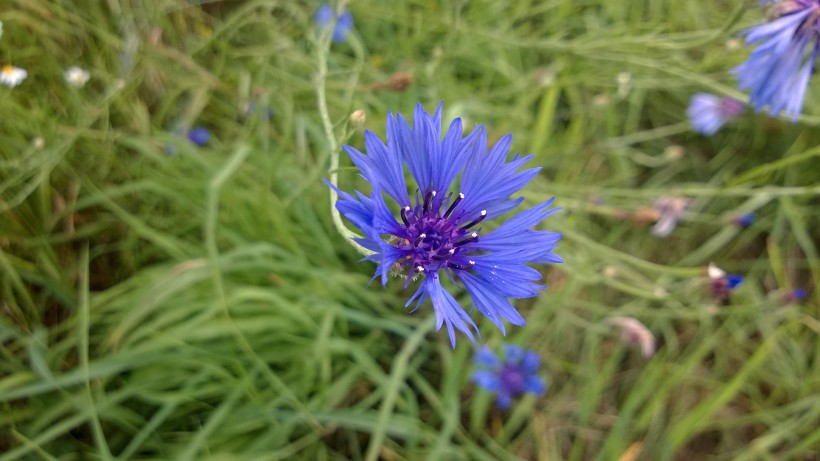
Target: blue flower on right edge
{"points": [[778, 70]]}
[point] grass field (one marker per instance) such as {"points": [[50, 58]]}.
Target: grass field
{"points": [[165, 300]]}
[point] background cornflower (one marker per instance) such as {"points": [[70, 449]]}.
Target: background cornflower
{"points": [[778, 70], [324, 16], [437, 232], [745, 220], [514, 375], [722, 283], [199, 135], [708, 113]]}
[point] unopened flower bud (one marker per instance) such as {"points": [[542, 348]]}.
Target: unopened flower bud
{"points": [[357, 118]]}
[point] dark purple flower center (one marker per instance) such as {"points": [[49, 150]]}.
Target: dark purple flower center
{"points": [[731, 107], [513, 379], [432, 240]]}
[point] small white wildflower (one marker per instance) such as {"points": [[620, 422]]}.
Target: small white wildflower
{"points": [[357, 118], [624, 80], [715, 272], [12, 76], [76, 76], [671, 210]]}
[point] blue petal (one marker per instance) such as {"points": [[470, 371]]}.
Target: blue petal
{"points": [[417, 144], [447, 309], [777, 73], [514, 280], [387, 163], [486, 380], [450, 159], [514, 238], [491, 302], [503, 400], [513, 354], [484, 356], [705, 114], [733, 280], [535, 385], [487, 179], [530, 362]]}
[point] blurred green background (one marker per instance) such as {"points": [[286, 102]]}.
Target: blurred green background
{"points": [[200, 304]]}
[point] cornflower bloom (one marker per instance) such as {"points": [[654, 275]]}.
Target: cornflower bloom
{"points": [[344, 23], [437, 233], [798, 294], [12, 76], [517, 374], [722, 283], [199, 135], [778, 70], [707, 112], [745, 220]]}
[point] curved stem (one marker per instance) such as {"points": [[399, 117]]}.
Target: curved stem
{"points": [[321, 99]]}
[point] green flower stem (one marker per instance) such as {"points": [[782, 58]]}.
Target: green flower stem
{"points": [[321, 99]]}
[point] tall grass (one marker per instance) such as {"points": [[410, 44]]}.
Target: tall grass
{"points": [[201, 305]]}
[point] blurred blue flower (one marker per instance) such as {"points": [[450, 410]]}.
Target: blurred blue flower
{"points": [[778, 70], [199, 135], [745, 220], [723, 283], [707, 112], [324, 16], [437, 233], [798, 294], [517, 374]]}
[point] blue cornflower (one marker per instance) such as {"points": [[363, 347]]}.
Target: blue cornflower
{"points": [[323, 17], [745, 220], [516, 375], [778, 70], [436, 234], [707, 112], [199, 135], [723, 283], [798, 294]]}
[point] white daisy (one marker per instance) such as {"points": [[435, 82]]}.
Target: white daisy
{"points": [[76, 76], [12, 76]]}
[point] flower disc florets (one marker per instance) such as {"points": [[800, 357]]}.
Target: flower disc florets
{"points": [[459, 184]]}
